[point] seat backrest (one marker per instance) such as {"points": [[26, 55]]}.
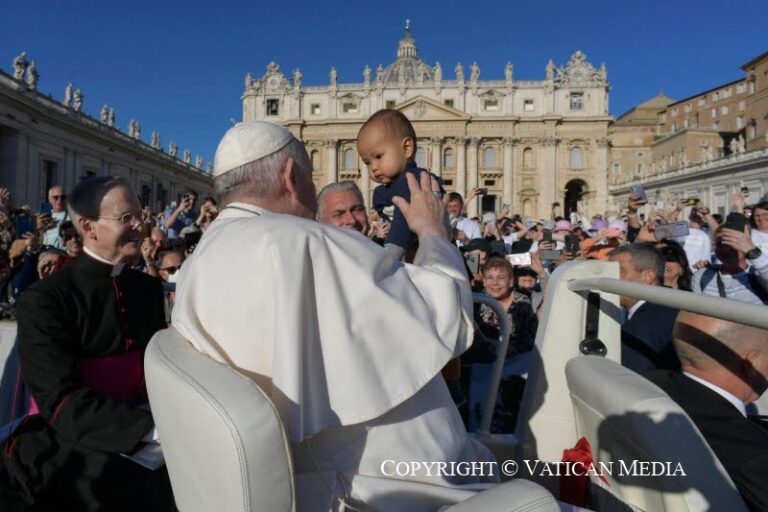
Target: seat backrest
{"points": [[628, 418], [545, 422], [222, 438]]}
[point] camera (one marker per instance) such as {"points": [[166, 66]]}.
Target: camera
{"points": [[482, 191], [692, 201]]}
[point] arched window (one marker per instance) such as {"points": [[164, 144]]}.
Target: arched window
{"points": [[527, 208], [528, 158], [421, 158], [350, 159], [489, 157], [448, 158], [577, 161], [315, 157]]}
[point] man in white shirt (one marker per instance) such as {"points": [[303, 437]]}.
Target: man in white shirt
{"points": [[760, 220], [347, 342], [743, 275], [724, 368], [59, 213], [467, 229]]}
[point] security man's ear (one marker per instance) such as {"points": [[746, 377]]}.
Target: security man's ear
{"points": [[87, 228]]}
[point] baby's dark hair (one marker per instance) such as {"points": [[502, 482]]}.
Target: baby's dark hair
{"points": [[395, 123]]}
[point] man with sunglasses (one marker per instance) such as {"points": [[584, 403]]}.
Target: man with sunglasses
{"points": [[58, 200], [82, 332]]}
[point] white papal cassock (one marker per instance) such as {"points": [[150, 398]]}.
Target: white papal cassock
{"points": [[349, 345]]}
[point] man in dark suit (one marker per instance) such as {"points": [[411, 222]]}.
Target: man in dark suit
{"points": [[725, 367], [81, 336], [646, 335]]}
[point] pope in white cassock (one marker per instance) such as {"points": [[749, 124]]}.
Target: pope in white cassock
{"points": [[346, 341]]}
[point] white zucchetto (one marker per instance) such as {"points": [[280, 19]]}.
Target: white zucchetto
{"points": [[247, 142]]}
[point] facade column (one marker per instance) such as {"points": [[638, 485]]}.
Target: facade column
{"points": [[332, 153], [461, 166], [437, 153], [548, 191], [26, 176], [508, 178], [472, 176], [365, 184], [600, 172]]}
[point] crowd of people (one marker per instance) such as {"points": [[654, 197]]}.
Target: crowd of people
{"points": [[84, 275]]}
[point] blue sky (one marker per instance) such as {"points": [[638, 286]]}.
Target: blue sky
{"points": [[178, 67]]}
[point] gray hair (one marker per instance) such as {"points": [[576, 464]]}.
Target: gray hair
{"points": [[644, 257], [260, 178], [339, 186]]}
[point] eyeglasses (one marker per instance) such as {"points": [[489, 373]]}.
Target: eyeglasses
{"points": [[63, 196], [126, 218]]}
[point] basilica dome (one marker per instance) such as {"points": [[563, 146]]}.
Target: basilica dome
{"points": [[408, 67]]}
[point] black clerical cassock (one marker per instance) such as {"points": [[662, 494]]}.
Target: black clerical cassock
{"points": [[82, 334]]}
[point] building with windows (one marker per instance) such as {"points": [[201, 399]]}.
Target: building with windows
{"points": [[706, 146], [46, 142], [534, 144], [756, 113]]}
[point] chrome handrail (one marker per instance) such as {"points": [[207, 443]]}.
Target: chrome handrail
{"points": [[727, 309], [498, 365]]}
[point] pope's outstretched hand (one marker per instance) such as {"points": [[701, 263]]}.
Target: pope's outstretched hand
{"points": [[426, 213]]}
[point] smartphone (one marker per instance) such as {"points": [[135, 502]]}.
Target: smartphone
{"points": [[745, 191], [519, 259], [192, 239], [736, 221], [572, 244], [24, 224], [692, 201], [547, 235], [473, 263], [639, 193], [146, 230], [672, 230], [45, 208], [482, 191], [550, 255]]}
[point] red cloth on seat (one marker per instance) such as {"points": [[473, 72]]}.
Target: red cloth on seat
{"points": [[574, 485]]}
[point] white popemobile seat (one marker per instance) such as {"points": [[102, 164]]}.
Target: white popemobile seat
{"points": [[226, 448], [626, 417]]}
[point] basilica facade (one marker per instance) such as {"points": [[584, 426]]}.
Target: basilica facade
{"points": [[536, 145]]}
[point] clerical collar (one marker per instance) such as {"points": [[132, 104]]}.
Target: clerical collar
{"points": [[117, 268], [738, 404]]}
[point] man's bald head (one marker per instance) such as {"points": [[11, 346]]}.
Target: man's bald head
{"points": [[704, 341], [707, 346]]}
